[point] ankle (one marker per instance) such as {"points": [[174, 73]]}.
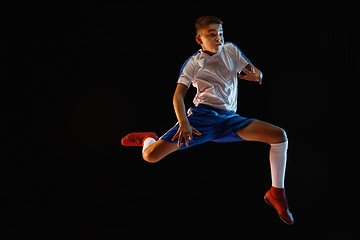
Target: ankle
{"points": [[278, 193]]}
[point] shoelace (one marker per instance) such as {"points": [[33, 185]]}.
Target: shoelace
{"points": [[285, 202], [135, 140]]}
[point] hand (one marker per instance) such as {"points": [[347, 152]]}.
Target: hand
{"points": [[185, 132], [253, 75]]}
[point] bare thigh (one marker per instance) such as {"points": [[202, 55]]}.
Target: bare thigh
{"points": [[262, 132], [158, 150]]}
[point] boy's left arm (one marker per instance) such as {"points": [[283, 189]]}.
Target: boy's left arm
{"points": [[252, 74]]}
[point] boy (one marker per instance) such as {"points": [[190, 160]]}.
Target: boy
{"points": [[213, 70]]}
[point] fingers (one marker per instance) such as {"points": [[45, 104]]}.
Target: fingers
{"points": [[186, 140], [179, 141], [196, 132], [247, 77], [250, 77], [176, 135], [184, 136], [243, 77]]}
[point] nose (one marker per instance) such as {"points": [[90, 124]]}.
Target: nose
{"points": [[218, 39]]}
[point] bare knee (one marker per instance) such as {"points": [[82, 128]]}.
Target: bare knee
{"points": [[149, 156], [279, 136]]}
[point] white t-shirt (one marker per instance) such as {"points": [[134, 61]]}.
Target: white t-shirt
{"points": [[215, 77]]}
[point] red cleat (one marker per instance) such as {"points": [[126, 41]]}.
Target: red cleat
{"points": [[280, 206], [137, 138]]}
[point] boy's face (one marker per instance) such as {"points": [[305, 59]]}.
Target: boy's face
{"points": [[211, 38]]}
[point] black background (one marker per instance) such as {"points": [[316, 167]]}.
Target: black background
{"points": [[80, 76]]}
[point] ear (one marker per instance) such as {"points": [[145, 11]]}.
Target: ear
{"points": [[198, 39]]}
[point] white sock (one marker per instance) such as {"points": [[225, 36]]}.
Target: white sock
{"points": [[278, 163], [148, 141]]}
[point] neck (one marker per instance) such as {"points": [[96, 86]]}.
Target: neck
{"points": [[208, 52]]}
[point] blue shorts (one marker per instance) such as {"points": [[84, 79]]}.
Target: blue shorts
{"points": [[214, 125]]}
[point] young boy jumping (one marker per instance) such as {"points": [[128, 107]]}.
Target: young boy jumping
{"points": [[213, 70]]}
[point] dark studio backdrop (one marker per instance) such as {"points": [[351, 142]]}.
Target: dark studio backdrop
{"points": [[83, 75]]}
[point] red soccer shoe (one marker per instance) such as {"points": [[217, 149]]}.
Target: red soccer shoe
{"points": [[280, 206], [137, 138]]}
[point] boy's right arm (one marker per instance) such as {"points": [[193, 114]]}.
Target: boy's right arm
{"points": [[185, 129]]}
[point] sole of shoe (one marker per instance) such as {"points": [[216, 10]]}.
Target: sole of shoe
{"points": [[269, 203]]}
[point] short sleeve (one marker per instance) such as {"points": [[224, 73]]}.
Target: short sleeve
{"points": [[187, 72], [185, 78], [240, 58]]}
